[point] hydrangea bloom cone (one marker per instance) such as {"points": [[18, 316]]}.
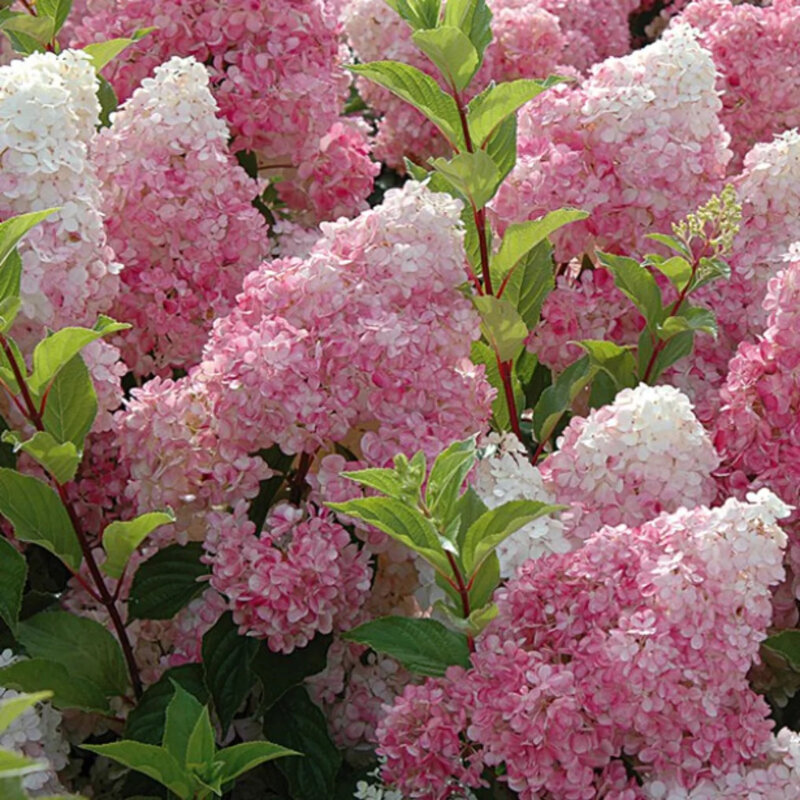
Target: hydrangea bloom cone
{"points": [[629, 461], [638, 642], [636, 144], [179, 214], [757, 53]]}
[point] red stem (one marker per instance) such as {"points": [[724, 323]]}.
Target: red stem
{"points": [[103, 595], [505, 376], [463, 592]]}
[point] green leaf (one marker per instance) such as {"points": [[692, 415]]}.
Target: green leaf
{"points": [[485, 581], [711, 269], [9, 308], [12, 230], [447, 475], [557, 399], [521, 237], [11, 708], [501, 147], [672, 243], [69, 691], [227, 659], [167, 582], [491, 107], [530, 283], [787, 644], [386, 481], [146, 722], [501, 325], [60, 460], [298, 724], [451, 52], [57, 10], [405, 524], [40, 29], [12, 789], [107, 98], [474, 18], [689, 319], [56, 351], [481, 353], [71, 404], [677, 269], [474, 175], [678, 346], [14, 765], [84, 647], [616, 361], [13, 574], [421, 91], [102, 53], [120, 539], [418, 13], [183, 713], [6, 371], [279, 672], [10, 276], [497, 524], [636, 282], [241, 758], [38, 516], [423, 646], [155, 762]]}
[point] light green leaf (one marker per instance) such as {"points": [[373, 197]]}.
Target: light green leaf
{"points": [[57, 10], [474, 175], [41, 29], [421, 91], [14, 765], [711, 269], [423, 646], [530, 282], [672, 243], [451, 52], [167, 582], [71, 404], [405, 524], [386, 481], [155, 762], [418, 13], [13, 574], [616, 361], [241, 758], [677, 269], [6, 370], [60, 460], [13, 229], [120, 539], [488, 109], [69, 691], [474, 18], [501, 146], [447, 475], [9, 308], [496, 525], [201, 747], [521, 237], [38, 516], [636, 282], [557, 399], [102, 53], [485, 581], [688, 319], [84, 647], [13, 707], [501, 325], [183, 713], [10, 276]]}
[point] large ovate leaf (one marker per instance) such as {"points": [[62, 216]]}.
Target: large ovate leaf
{"points": [[405, 524], [227, 659], [423, 646], [38, 516], [155, 762], [688, 319], [60, 459], [474, 175], [84, 647], [501, 146], [448, 473], [614, 360], [474, 18], [69, 691], [557, 399], [501, 325], [10, 277], [167, 582], [71, 404], [496, 525], [490, 108], [57, 10], [530, 282], [183, 712], [418, 13], [102, 53], [120, 539], [241, 758], [13, 229], [452, 53], [636, 282], [521, 237], [421, 91], [296, 723], [13, 574]]}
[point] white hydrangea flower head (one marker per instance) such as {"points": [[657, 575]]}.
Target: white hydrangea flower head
{"points": [[505, 473], [629, 461], [36, 734], [48, 116]]}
